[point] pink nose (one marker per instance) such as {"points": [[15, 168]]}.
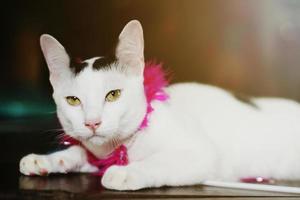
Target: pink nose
{"points": [[93, 124]]}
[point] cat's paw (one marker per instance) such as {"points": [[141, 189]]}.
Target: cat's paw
{"points": [[88, 168], [33, 164], [122, 178]]}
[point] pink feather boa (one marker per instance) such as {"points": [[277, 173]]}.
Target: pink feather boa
{"points": [[154, 83]]}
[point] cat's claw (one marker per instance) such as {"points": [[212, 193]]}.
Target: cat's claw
{"points": [[121, 178], [33, 164]]}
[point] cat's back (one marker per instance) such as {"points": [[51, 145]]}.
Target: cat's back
{"points": [[192, 88], [200, 97]]}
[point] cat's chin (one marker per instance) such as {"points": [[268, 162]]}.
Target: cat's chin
{"points": [[96, 140]]}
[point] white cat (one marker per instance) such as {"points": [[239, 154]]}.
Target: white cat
{"points": [[200, 133]]}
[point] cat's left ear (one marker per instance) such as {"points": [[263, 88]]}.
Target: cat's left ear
{"points": [[130, 50]]}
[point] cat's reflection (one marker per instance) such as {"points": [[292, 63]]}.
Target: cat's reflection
{"points": [[71, 183]]}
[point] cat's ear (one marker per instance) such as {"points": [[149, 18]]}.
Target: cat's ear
{"points": [[56, 57], [130, 49]]}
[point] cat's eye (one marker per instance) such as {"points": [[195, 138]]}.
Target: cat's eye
{"points": [[73, 101], [113, 95]]}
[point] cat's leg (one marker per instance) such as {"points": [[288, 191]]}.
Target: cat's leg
{"points": [[166, 168], [73, 159]]}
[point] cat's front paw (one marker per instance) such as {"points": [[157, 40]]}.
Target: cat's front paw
{"points": [[33, 164], [122, 178]]}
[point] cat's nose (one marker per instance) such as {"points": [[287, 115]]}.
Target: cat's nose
{"points": [[92, 124]]}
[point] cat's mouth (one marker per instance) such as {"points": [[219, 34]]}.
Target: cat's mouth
{"points": [[97, 139], [95, 136], [92, 138]]}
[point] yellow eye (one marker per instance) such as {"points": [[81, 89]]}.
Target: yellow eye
{"points": [[73, 101], [113, 95]]}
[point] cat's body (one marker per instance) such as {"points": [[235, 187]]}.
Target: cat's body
{"points": [[244, 140], [199, 133]]}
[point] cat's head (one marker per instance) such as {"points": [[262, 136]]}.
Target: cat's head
{"points": [[97, 100]]}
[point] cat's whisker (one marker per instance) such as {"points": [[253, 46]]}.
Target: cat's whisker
{"points": [[115, 142], [111, 143], [63, 135], [52, 131]]}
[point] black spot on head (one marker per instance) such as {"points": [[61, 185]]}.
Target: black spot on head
{"points": [[77, 65], [245, 99], [104, 62]]}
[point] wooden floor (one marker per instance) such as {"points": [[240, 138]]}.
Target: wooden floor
{"points": [[80, 186]]}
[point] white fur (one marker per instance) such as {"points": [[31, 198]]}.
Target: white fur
{"points": [[200, 133]]}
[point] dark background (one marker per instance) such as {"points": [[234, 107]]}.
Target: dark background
{"points": [[251, 47]]}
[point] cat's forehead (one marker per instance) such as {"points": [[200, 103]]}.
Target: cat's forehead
{"points": [[95, 73]]}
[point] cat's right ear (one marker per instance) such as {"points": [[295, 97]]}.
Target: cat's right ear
{"points": [[56, 57]]}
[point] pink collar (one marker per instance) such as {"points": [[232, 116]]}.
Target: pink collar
{"points": [[154, 83]]}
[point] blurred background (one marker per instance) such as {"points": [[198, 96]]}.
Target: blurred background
{"points": [[252, 47]]}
